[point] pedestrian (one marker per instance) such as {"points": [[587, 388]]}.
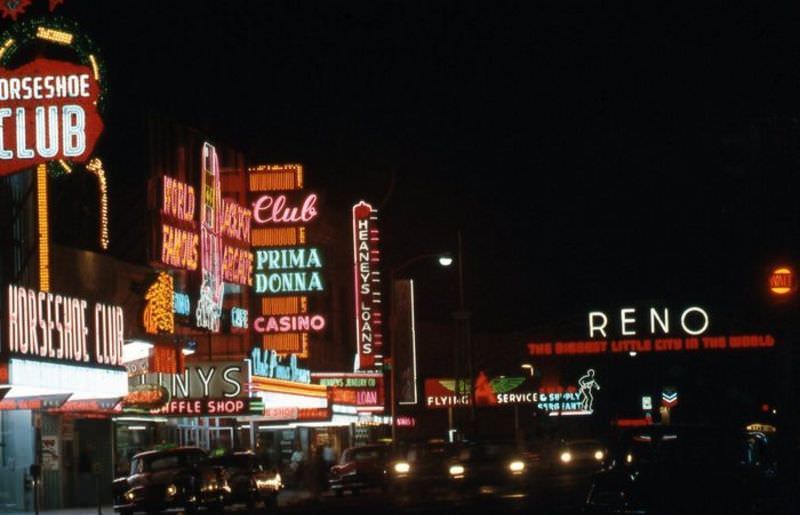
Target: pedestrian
{"points": [[296, 465], [320, 473]]}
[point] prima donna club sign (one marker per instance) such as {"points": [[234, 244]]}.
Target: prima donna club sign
{"points": [[48, 111]]}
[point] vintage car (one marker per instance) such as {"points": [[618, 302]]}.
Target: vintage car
{"points": [[675, 469], [179, 479], [497, 469], [360, 468], [579, 454], [426, 472], [251, 481]]}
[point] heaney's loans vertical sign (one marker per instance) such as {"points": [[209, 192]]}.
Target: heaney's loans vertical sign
{"points": [[367, 283]]}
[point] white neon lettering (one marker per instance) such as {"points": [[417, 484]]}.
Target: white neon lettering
{"points": [[702, 312], [47, 140], [663, 322], [23, 151], [625, 320], [601, 328], [74, 121]]}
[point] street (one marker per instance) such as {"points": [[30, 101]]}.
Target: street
{"points": [[560, 494]]}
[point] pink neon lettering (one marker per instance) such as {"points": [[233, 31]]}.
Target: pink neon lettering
{"points": [[268, 209]]}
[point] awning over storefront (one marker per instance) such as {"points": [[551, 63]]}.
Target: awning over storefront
{"points": [[29, 378]]}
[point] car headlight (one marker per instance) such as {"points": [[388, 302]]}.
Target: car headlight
{"points": [[402, 467], [172, 490], [210, 486], [566, 457], [456, 470], [129, 495], [516, 466], [629, 458], [599, 455]]}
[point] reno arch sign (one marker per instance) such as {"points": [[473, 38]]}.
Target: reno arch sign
{"points": [[632, 322], [650, 330], [48, 110]]}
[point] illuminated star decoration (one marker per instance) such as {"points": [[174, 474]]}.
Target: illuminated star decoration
{"points": [[13, 8], [54, 4]]}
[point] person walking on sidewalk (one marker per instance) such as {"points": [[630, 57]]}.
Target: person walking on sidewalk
{"points": [[297, 466]]}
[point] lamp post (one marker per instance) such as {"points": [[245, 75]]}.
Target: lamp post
{"points": [[464, 338], [444, 260]]}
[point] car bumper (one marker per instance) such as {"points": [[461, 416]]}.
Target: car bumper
{"points": [[354, 482], [176, 505]]}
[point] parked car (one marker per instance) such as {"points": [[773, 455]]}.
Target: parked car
{"points": [[359, 468], [668, 469], [250, 481], [179, 479]]}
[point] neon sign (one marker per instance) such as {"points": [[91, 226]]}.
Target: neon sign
{"points": [[289, 323], [783, 281], [239, 318], [266, 364], [178, 200], [209, 307], [237, 265], [659, 345], [586, 384], [366, 258], [181, 304], [236, 221], [294, 414], [159, 308], [302, 273], [212, 407], [179, 247], [47, 325], [270, 209], [212, 380], [49, 112], [693, 320], [286, 270], [180, 242], [357, 389]]}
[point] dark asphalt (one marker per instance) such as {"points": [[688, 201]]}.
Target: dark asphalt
{"points": [[562, 494]]}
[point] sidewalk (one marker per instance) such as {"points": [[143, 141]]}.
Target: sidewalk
{"points": [[286, 498]]}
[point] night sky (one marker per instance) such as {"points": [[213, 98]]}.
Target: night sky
{"points": [[591, 155]]}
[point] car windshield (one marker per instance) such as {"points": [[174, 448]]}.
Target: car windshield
{"points": [[682, 448], [158, 462], [363, 454], [431, 453], [237, 461], [490, 451], [584, 445]]}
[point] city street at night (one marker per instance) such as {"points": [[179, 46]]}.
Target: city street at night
{"points": [[400, 257]]}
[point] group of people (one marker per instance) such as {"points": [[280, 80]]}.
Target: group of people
{"points": [[313, 473]]}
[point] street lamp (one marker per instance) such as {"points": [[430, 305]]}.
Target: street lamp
{"points": [[444, 260]]}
